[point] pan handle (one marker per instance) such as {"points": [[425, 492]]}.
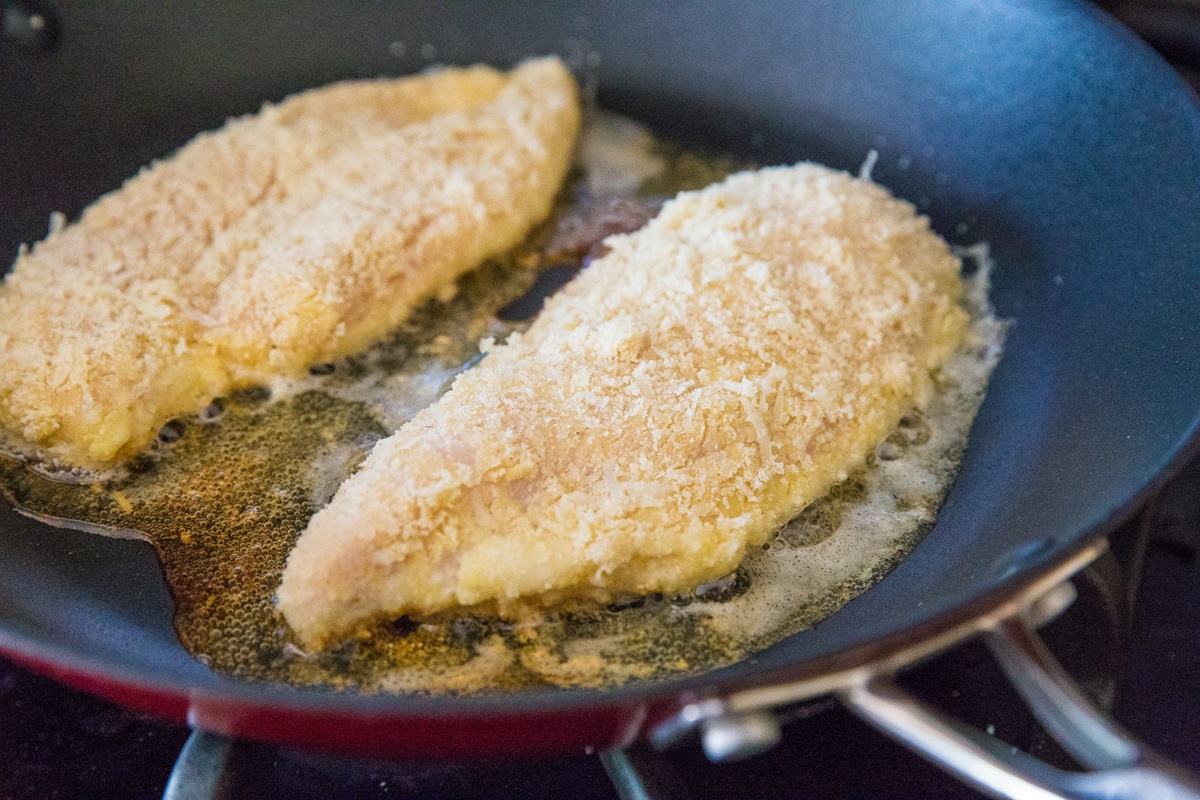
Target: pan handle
{"points": [[1118, 767], [198, 770]]}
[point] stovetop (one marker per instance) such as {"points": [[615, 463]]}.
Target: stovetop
{"points": [[1132, 640]]}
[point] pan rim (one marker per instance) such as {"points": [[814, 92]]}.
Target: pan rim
{"points": [[67, 663]]}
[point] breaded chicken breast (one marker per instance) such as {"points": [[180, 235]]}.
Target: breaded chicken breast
{"points": [[287, 238], [690, 392]]}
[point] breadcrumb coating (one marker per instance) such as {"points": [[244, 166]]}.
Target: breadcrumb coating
{"points": [[290, 237], [691, 391]]}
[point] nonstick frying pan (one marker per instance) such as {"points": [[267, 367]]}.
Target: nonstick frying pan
{"points": [[1044, 129]]}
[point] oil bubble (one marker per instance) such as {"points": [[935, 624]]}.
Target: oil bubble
{"points": [[171, 432], [213, 411]]}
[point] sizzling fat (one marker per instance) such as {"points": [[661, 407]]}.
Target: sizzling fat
{"points": [[687, 394]]}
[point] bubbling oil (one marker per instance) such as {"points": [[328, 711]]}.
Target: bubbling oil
{"points": [[223, 496]]}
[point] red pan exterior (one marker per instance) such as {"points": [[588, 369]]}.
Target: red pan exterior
{"points": [[379, 734]]}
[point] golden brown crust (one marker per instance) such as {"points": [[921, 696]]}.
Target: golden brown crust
{"points": [[686, 395], [295, 235]]}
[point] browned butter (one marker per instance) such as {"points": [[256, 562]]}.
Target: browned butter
{"points": [[224, 495]]}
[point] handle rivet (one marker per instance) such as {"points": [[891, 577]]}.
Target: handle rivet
{"points": [[732, 737]]}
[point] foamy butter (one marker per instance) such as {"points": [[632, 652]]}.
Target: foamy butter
{"points": [[618, 155], [224, 497]]}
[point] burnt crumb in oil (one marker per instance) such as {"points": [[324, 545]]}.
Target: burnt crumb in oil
{"points": [[401, 626], [322, 369]]}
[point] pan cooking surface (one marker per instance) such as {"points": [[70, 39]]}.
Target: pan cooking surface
{"points": [[224, 495]]}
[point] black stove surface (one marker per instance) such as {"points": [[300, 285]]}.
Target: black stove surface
{"points": [[1132, 640]]}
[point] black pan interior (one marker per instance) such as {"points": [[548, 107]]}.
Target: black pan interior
{"points": [[1044, 129]]}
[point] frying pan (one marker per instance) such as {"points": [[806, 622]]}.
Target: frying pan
{"points": [[1044, 129]]}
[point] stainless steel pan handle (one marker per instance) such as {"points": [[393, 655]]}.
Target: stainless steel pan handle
{"points": [[1117, 765], [200, 767]]}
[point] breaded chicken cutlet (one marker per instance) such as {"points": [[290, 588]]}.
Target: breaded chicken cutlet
{"points": [[685, 396], [291, 237]]}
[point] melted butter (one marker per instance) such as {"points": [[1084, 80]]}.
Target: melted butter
{"points": [[225, 495]]}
